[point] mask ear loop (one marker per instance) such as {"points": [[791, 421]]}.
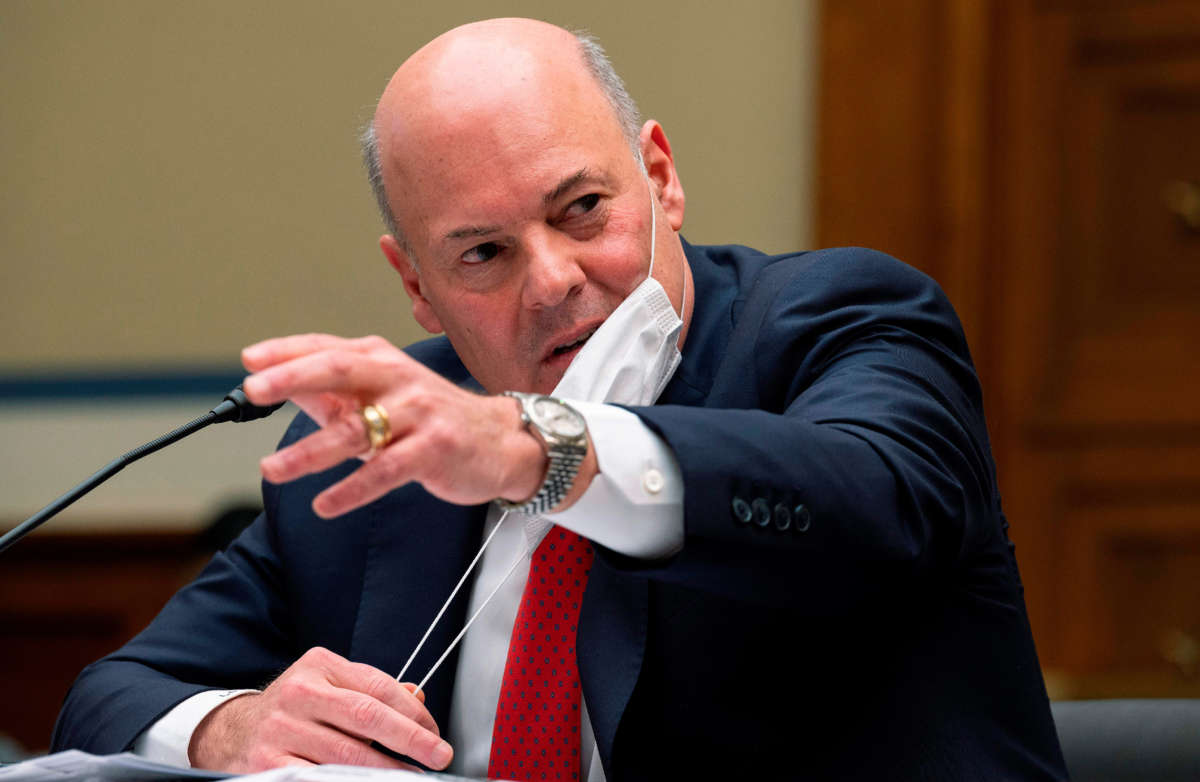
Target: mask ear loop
{"points": [[653, 226], [457, 587], [462, 632], [654, 243]]}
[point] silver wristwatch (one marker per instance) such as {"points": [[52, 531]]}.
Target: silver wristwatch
{"points": [[562, 431]]}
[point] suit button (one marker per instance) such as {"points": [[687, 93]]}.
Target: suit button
{"points": [[783, 517], [802, 517], [741, 510], [762, 512]]}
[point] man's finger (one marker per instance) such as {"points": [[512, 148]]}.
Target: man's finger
{"points": [[273, 351], [339, 371], [371, 681], [270, 352], [366, 484], [339, 439], [323, 744], [364, 719], [321, 408], [336, 441]]}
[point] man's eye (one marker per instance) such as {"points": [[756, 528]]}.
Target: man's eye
{"points": [[582, 206], [482, 252]]}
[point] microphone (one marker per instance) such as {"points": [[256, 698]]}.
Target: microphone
{"points": [[235, 407]]}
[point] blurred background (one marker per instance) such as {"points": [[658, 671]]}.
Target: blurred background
{"points": [[183, 178]]}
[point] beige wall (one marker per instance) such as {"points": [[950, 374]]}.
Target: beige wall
{"points": [[181, 178]]}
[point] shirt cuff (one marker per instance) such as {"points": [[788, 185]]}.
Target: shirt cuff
{"points": [[167, 740], [634, 505]]}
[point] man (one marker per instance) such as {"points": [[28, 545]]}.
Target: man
{"points": [[800, 563]]}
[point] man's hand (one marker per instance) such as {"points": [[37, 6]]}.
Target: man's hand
{"points": [[462, 447], [323, 709]]}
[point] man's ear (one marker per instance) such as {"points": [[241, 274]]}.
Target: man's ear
{"points": [[660, 166], [399, 259]]}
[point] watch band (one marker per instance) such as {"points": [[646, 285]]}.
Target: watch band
{"points": [[565, 458]]}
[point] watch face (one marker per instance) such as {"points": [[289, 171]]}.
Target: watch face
{"points": [[554, 416]]}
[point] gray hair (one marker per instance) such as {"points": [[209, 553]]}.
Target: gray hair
{"points": [[614, 90], [601, 69]]}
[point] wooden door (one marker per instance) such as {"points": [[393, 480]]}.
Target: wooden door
{"points": [[1047, 155]]}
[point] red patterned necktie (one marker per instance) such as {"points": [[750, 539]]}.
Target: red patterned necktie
{"points": [[536, 735]]}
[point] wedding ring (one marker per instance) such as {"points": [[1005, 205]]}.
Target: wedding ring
{"points": [[379, 428]]}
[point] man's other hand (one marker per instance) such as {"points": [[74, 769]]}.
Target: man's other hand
{"points": [[323, 709]]}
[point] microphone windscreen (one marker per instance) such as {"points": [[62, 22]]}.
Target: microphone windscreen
{"points": [[237, 407]]}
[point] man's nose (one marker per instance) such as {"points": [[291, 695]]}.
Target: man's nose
{"points": [[553, 273]]}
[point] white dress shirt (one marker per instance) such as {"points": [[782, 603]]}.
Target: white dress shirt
{"points": [[633, 506]]}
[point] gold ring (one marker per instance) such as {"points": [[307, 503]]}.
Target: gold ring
{"points": [[379, 428]]}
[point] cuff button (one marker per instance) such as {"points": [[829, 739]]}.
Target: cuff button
{"points": [[653, 481], [741, 510]]}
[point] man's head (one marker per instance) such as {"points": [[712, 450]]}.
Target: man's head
{"points": [[521, 214]]}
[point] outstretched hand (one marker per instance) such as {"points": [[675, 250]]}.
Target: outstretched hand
{"points": [[463, 447]]}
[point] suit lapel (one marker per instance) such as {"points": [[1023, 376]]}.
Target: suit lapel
{"points": [[417, 550], [611, 644]]}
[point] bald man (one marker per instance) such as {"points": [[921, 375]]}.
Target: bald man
{"points": [[768, 479]]}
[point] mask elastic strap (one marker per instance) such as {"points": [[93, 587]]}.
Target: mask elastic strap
{"points": [[654, 243], [683, 301], [462, 632], [653, 227], [446, 605]]}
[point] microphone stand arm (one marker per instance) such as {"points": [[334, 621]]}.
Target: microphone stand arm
{"points": [[235, 407], [100, 476]]}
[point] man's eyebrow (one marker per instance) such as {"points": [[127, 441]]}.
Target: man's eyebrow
{"points": [[574, 180], [582, 176], [471, 231]]}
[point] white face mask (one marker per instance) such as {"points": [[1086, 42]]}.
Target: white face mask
{"points": [[632, 356]]}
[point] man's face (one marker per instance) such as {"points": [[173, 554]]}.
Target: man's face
{"points": [[528, 227]]}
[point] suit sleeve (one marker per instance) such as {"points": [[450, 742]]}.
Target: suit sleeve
{"points": [[228, 629], [843, 453]]}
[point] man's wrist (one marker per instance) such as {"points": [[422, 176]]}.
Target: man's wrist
{"points": [[211, 745], [167, 740], [561, 434], [528, 458]]}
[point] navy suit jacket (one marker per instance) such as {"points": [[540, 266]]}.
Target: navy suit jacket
{"points": [[846, 603]]}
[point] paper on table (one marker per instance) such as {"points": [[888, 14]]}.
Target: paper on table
{"points": [[332, 773], [76, 766]]}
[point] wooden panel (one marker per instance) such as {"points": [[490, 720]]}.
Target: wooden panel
{"points": [[876, 170], [1129, 282], [1133, 586], [903, 116], [1104, 449]]}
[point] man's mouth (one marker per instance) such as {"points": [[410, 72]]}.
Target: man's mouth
{"points": [[569, 346]]}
